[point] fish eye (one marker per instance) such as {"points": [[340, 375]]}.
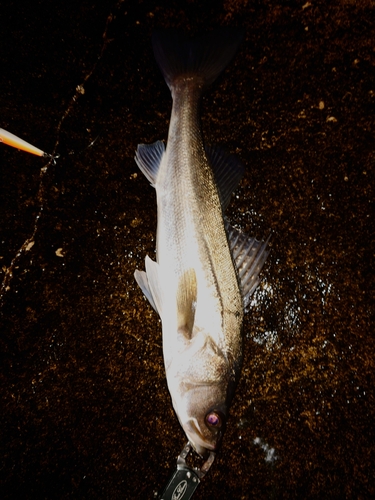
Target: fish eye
{"points": [[213, 419]]}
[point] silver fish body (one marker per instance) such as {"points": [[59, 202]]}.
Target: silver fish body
{"points": [[195, 284]]}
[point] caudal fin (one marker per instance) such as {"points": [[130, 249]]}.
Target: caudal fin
{"points": [[205, 56]]}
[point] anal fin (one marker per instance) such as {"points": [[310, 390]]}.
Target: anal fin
{"points": [[148, 158]]}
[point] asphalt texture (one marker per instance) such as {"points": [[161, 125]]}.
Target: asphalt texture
{"points": [[85, 410]]}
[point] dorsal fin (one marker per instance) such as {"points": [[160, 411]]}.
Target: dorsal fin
{"points": [[249, 255], [228, 172]]}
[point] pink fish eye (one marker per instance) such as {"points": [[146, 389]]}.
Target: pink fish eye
{"points": [[213, 419]]}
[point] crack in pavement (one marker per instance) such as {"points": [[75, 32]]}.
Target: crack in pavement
{"points": [[79, 90]]}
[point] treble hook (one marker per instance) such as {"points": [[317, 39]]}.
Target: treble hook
{"points": [[52, 157]]}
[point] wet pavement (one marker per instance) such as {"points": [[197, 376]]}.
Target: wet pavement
{"points": [[85, 408]]}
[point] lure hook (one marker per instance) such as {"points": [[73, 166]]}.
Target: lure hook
{"points": [[53, 158]]}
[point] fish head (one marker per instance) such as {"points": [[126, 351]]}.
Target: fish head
{"points": [[201, 386], [203, 420]]}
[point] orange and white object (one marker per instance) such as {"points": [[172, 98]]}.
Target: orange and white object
{"points": [[14, 141]]}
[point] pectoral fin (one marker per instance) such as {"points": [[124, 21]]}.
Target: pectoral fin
{"points": [[151, 283], [186, 302]]}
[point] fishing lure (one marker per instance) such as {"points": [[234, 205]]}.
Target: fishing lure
{"points": [[14, 141]]}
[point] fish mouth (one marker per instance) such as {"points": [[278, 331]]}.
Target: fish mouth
{"points": [[197, 440]]}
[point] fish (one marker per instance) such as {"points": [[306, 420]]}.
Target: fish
{"points": [[205, 270]]}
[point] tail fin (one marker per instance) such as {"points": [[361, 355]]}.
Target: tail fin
{"points": [[205, 56]]}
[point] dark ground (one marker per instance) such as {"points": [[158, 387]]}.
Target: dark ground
{"points": [[85, 408]]}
